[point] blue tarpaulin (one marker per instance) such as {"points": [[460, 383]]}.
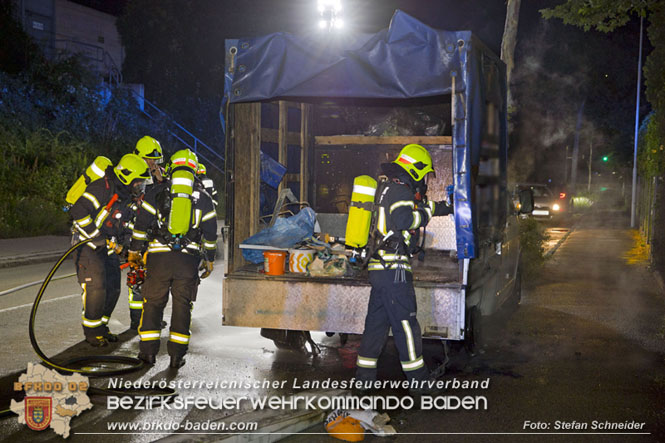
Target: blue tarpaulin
{"points": [[407, 60]]}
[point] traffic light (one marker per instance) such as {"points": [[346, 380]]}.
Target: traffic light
{"points": [[605, 158]]}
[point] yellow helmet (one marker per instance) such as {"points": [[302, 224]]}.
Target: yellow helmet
{"points": [[131, 167], [201, 169], [415, 160], [148, 147], [184, 158]]}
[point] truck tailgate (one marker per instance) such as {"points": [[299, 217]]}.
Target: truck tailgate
{"points": [[331, 305]]}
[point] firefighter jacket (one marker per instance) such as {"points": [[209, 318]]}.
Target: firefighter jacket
{"points": [[399, 217], [151, 224], [209, 186], [102, 211]]}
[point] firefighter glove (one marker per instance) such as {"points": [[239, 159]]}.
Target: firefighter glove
{"points": [[206, 267], [113, 246], [134, 259], [442, 208]]}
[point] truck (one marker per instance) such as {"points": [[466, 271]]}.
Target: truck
{"points": [[332, 107]]}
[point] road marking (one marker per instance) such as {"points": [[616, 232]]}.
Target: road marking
{"points": [[34, 283], [28, 305]]}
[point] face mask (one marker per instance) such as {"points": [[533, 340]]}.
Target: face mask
{"points": [[421, 189], [138, 188]]}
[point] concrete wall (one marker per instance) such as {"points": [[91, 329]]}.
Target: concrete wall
{"points": [[91, 28]]}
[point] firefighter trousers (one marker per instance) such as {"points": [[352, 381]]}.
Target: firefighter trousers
{"points": [[135, 305], [99, 276], [176, 272], [392, 304]]}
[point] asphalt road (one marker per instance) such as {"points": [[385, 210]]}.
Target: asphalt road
{"points": [[586, 344], [585, 349]]}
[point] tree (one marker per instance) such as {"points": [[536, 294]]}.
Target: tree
{"points": [[509, 41], [602, 15], [607, 16]]}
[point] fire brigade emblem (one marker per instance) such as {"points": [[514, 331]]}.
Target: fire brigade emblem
{"points": [[38, 412]]}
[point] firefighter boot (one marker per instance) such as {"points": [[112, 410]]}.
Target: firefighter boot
{"points": [[148, 359], [97, 342], [177, 361]]}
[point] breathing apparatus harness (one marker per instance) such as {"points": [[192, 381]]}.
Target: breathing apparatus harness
{"points": [[177, 199], [361, 230]]}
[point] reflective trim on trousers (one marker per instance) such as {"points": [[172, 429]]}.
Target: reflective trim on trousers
{"points": [[149, 335], [409, 339], [179, 338], [91, 323], [366, 362], [413, 364]]}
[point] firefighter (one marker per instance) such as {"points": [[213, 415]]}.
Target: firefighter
{"points": [[402, 210], [99, 215], [206, 182], [180, 225], [150, 150]]}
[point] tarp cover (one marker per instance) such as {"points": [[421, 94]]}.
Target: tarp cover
{"points": [[407, 60]]}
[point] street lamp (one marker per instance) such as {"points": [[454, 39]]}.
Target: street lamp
{"points": [[329, 12], [633, 202]]}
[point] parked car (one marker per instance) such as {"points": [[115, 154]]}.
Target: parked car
{"points": [[548, 205]]}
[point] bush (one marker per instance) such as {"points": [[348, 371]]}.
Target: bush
{"points": [[53, 123], [532, 242]]}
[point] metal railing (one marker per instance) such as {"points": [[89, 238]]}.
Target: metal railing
{"points": [[182, 135], [100, 60], [104, 64]]}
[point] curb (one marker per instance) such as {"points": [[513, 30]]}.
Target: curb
{"points": [[37, 257], [551, 252]]}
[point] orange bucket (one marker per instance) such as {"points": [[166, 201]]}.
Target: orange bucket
{"points": [[273, 262]]}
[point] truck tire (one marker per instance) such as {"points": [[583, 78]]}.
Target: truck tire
{"points": [[285, 339], [473, 331], [516, 296]]}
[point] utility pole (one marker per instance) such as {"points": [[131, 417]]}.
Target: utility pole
{"points": [[576, 147], [588, 186], [565, 169], [637, 127]]}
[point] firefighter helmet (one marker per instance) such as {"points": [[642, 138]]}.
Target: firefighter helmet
{"points": [[201, 169], [415, 160], [148, 147], [131, 167], [183, 158]]}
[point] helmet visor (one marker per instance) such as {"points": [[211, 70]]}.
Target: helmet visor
{"points": [[154, 155]]}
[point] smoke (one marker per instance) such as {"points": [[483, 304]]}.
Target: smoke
{"points": [[548, 84]]}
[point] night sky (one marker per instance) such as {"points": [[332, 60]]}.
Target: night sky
{"points": [[557, 66]]}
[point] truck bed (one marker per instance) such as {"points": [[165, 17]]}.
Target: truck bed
{"points": [[339, 304], [437, 269]]}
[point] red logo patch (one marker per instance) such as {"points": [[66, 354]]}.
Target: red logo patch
{"points": [[38, 412]]}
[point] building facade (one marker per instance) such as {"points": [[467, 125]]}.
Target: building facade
{"points": [[62, 27]]}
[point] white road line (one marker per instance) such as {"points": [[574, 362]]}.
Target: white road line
{"points": [[34, 283], [28, 305]]}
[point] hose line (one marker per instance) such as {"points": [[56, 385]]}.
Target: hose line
{"points": [[86, 365]]}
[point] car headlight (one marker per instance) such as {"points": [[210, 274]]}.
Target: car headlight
{"points": [[556, 207]]}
